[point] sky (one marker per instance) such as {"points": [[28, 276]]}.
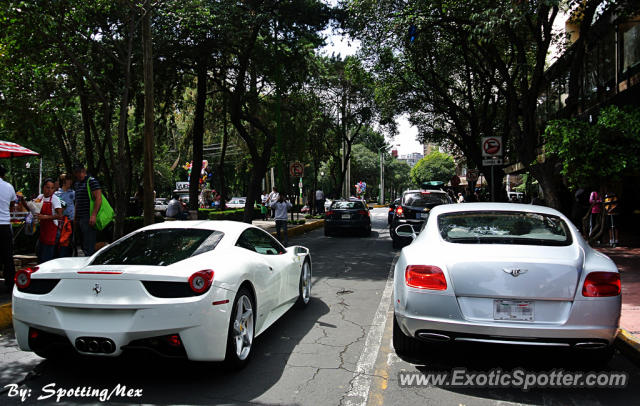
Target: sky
{"points": [[406, 132]]}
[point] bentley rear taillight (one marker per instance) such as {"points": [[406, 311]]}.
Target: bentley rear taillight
{"points": [[399, 211], [363, 212], [601, 284], [201, 281], [425, 277]]}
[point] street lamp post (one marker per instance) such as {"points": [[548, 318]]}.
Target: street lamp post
{"points": [[381, 197]]}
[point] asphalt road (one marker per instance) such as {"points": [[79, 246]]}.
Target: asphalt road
{"points": [[337, 351]]}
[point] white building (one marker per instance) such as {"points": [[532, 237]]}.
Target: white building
{"points": [[411, 158]]}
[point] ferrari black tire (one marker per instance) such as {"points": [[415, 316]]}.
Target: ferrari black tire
{"points": [[404, 345], [241, 335], [304, 286]]}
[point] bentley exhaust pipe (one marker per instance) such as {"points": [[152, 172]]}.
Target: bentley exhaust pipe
{"points": [[434, 337], [590, 345]]}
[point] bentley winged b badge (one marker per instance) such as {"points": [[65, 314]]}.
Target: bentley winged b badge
{"points": [[515, 271]]}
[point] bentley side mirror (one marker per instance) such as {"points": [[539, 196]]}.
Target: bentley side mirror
{"points": [[407, 231]]}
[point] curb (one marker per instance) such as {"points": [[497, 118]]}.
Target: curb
{"points": [[301, 229], [628, 344], [5, 315]]}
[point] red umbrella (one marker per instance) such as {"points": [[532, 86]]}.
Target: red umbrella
{"points": [[11, 149]]}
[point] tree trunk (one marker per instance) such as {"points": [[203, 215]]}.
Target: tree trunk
{"points": [[123, 170], [86, 126], [62, 144], [198, 133], [222, 188], [147, 44]]}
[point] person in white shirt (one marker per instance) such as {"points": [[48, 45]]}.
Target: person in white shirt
{"points": [[272, 198], [49, 214], [7, 200], [281, 207]]}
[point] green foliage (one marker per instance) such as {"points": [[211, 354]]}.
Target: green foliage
{"points": [[598, 153], [435, 166]]}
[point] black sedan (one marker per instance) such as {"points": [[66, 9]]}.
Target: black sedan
{"points": [[414, 209], [347, 215]]}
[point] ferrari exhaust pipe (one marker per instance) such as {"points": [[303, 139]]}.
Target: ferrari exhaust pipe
{"points": [[107, 346], [81, 345], [93, 346]]}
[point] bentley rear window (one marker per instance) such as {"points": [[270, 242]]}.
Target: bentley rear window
{"points": [[159, 247], [506, 227]]}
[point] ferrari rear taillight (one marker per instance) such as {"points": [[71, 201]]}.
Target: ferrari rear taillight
{"points": [[201, 281], [23, 277], [601, 284], [399, 211], [425, 277], [174, 340]]}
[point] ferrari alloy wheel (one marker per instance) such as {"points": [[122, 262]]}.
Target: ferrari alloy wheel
{"points": [[305, 284], [241, 330]]}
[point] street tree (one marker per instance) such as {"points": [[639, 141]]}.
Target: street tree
{"points": [[436, 166]]}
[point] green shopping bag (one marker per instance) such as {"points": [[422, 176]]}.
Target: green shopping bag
{"points": [[105, 213]]}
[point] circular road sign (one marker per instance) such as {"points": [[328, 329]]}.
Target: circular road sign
{"points": [[296, 169], [491, 146]]}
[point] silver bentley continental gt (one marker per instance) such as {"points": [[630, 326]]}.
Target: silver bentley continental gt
{"points": [[503, 273]]}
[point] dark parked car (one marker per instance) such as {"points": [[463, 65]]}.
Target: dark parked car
{"points": [[392, 209], [414, 209], [347, 215]]}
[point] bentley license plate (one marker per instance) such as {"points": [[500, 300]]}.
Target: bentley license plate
{"points": [[346, 216], [424, 215], [521, 310]]}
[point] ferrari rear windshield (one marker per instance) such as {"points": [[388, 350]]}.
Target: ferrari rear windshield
{"points": [[504, 227], [159, 247], [424, 199]]}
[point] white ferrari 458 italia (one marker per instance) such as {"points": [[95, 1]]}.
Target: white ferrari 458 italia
{"points": [[196, 289]]}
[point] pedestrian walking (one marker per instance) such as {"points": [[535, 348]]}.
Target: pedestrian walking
{"points": [[280, 207], [319, 201], [271, 199], [85, 221], [7, 200], [595, 202], [50, 213], [67, 197]]}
